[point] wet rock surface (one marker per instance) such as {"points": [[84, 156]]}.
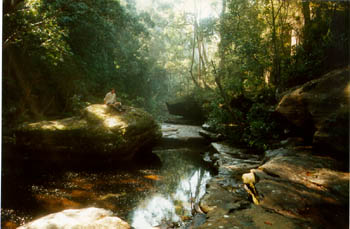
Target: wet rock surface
{"points": [[292, 188], [179, 135]]}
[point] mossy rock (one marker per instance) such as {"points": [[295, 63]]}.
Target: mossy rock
{"points": [[100, 133]]}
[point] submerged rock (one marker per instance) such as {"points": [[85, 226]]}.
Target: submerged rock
{"points": [[100, 133], [78, 218]]}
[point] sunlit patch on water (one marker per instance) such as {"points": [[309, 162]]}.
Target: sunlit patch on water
{"points": [[153, 177]]}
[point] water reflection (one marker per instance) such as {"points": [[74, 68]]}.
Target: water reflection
{"points": [[153, 212], [143, 194], [190, 190], [183, 185]]}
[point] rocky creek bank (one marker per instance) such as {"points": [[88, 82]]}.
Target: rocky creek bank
{"points": [[303, 181], [288, 187]]}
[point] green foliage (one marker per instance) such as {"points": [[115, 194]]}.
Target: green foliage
{"points": [[221, 120], [257, 57], [325, 45], [57, 49], [261, 126], [254, 125], [58, 54], [243, 46], [76, 104]]}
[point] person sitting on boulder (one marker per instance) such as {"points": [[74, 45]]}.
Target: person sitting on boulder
{"points": [[111, 100]]}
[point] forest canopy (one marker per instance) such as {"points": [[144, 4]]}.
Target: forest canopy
{"points": [[60, 54]]}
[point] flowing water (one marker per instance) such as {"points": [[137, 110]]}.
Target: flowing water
{"points": [[161, 188]]}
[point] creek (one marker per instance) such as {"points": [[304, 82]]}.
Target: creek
{"points": [[161, 188]]}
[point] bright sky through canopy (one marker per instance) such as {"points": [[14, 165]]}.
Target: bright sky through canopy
{"points": [[203, 8]]}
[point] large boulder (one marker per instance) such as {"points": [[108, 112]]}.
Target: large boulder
{"points": [[100, 133], [320, 109], [187, 107]]}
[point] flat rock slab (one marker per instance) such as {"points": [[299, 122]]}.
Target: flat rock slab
{"points": [[180, 135], [253, 217], [232, 209], [305, 186], [224, 148], [233, 162], [78, 218], [312, 171]]}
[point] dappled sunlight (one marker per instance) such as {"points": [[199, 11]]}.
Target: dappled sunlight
{"points": [[102, 113], [50, 125], [98, 111], [113, 122], [55, 125], [61, 124]]}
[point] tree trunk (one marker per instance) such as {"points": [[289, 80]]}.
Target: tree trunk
{"points": [[276, 62], [219, 74], [307, 24], [192, 59]]}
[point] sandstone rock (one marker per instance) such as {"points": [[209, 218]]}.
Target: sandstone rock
{"points": [[101, 133], [227, 209], [308, 187], [233, 162], [78, 218], [320, 108], [176, 135], [293, 189], [278, 152], [224, 148]]}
